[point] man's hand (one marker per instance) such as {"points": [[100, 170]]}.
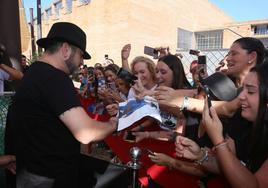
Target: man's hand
{"points": [[8, 162]]}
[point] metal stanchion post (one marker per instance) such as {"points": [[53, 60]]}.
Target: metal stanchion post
{"points": [[135, 164]]}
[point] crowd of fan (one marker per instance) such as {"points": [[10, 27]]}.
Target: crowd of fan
{"points": [[230, 138]]}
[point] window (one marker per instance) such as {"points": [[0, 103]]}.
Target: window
{"points": [[260, 29], [69, 5], [58, 6], [209, 40], [184, 39]]}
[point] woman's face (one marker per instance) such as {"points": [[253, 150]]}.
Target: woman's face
{"points": [[98, 74], [141, 70], [249, 97], [222, 66], [110, 76], [237, 60], [164, 74], [122, 86]]}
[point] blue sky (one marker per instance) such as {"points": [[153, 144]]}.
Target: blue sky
{"points": [[239, 10], [243, 10]]}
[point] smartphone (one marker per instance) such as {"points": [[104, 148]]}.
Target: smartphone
{"points": [[206, 89], [151, 52], [101, 83], [130, 137], [202, 66], [149, 152], [194, 52], [202, 60]]}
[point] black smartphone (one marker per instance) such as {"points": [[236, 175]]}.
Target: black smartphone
{"points": [[151, 52], [202, 66], [130, 137], [206, 89], [194, 52], [202, 60]]}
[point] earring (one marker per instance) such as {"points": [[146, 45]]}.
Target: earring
{"points": [[249, 62]]}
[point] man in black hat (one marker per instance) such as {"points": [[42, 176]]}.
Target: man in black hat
{"points": [[47, 118]]}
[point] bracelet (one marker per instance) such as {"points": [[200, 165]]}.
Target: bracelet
{"points": [[219, 145], [203, 159], [185, 103], [222, 143]]}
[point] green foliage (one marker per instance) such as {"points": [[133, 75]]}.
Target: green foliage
{"points": [[35, 56]]}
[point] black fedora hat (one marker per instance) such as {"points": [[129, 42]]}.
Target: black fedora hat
{"points": [[65, 32], [221, 87]]}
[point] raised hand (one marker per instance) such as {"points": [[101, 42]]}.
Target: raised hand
{"points": [[125, 52]]}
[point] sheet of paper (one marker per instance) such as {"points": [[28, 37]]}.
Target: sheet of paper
{"points": [[134, 110]]}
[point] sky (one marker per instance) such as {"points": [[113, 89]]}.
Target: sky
{"points": [[239, 10]]}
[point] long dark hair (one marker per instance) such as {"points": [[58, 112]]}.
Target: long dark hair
{"points": [[252, 45], [179, 78], [258, 152]]}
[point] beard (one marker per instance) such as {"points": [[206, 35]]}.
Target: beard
{"points": [[70, 63]]}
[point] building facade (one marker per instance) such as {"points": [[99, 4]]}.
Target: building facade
{"points": [[112, 24]]}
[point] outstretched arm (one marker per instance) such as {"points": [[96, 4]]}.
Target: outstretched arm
{"points": [[175, 98], [183, 166], [13, 73], [85, 129]]}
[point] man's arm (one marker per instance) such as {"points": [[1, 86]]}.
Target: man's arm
{"points": [[85, 129], [13, 73]]}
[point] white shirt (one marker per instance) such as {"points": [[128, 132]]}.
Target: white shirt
{"points": [[3, 76]]}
